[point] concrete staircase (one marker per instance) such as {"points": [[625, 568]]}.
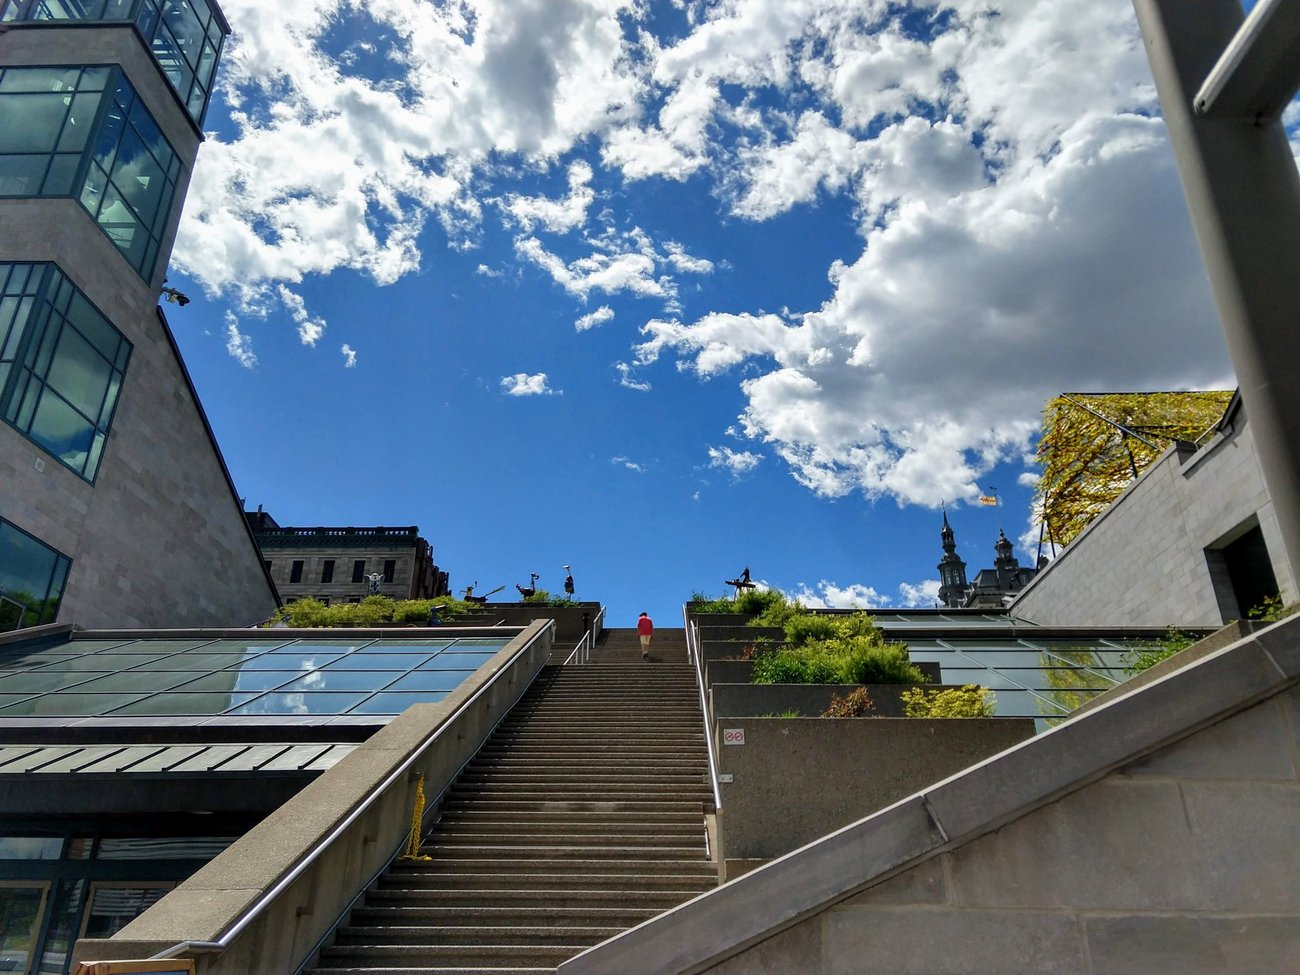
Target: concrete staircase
{"points": [[583, 815]]}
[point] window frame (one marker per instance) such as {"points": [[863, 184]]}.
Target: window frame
{"points": [[59, 560]]}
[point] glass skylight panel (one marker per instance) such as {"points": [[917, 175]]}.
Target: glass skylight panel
{"points": [[283, 677]]}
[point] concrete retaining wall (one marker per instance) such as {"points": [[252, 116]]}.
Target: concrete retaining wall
{"points": [[796, 779], [204, 907], [568, 619], [810, 700]]}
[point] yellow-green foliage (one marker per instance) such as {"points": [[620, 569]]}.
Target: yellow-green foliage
{"points": [[968, 701], [370, 612], [1088, 461]]}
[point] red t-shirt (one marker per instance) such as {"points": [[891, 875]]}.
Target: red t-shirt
{"points": [[644, 626]]}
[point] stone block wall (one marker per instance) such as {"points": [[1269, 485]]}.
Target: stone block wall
{"points": [[1143, 561]]}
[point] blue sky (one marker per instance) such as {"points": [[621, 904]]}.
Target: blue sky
{"points": [[664, 289]]}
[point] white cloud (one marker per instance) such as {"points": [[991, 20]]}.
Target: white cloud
{"points": [[626, 261], [628, 464], [349, 356], [627, 379], [736, 461], [484, 271], [830, 596], [522, 384], [310, 328], [557, 216], [239, 345], [594, 319], [919, 595]]}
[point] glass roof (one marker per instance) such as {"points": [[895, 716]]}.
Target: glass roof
{"points": [[1040, 678], [256, 676]]}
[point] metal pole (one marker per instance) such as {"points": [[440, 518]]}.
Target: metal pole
{"points": [[1243, 191]]}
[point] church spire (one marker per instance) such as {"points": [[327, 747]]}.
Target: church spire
{"points": [[953, 588]]}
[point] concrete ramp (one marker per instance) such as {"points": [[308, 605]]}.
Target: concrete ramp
{"points": [[1159, 832]]}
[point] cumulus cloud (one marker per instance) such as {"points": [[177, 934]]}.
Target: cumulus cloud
{"points": [[239, 345], [919, 595], [349, 356], [1021, 226], [736, 461], [522, 384], [828, 595], [595, 318]]}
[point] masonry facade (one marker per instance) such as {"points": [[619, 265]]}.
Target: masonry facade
{"points": [[340, 565], [1192, 542], [116, 508]]}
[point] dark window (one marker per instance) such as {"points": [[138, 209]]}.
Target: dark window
{"points": [[359, 570], [83, 133], [31, 579], [323, 599], [354, 599], [295, 573], [327, 571], [184, 36], [390, 567], [62, 364]]}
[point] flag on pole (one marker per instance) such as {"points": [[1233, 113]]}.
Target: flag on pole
{"points": [[987, 500]]}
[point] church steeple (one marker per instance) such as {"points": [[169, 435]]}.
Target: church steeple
{"points": [[1006, 562], [953, 587]]}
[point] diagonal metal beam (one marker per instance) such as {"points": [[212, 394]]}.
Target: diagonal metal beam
{"points": [[1258, 73]]}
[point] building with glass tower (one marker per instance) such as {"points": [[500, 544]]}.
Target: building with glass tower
{"points": [[115, 505]]}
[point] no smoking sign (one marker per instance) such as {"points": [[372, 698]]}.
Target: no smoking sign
{"points": [[733, 736]]}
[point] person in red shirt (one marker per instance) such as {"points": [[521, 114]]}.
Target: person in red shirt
{"points": [[645, 629]]}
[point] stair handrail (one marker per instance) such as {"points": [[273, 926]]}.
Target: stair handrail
{"points": [[582, 652], [251, 914], [693, 651]]}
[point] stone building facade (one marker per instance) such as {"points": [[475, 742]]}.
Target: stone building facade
{"points": [[116, 508], [1192, 542], [335, 565]]}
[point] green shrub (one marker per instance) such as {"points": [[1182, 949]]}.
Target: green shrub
{"points": [[707, 604], [1270, 610], [869, 660], [757, 602], [794, 666], [1145, 655], [857, 704], [968, 701], [370, 612]]}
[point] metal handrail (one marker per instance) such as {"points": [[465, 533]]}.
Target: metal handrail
{"points": [[582, 652], [693, 651], [321, 845]]}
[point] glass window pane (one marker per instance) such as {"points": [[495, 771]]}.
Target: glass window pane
{"points": [[62, 431], [431, 680], [457, 661], [31, 123], [21, 908], [342, 680], [298, 703], [30, 848], [26, 566], [39, 79], [79, 373], [373, 661], [68, 705], [22, 175], [62, 176], [144, 681], [112, 908], [175, 703], [76, 132]]}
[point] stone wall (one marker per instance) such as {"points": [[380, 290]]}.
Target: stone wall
{"points": [[1159, 529]]}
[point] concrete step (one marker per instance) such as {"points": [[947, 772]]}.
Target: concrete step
{"points": [[631, 855], [623, 804], [510, 870], [471, 934], [593, 822], [532, 914], [426, 955], [548, 890], [585, 840]]}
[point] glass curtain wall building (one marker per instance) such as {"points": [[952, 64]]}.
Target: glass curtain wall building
{"points": [[184, 36]]}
